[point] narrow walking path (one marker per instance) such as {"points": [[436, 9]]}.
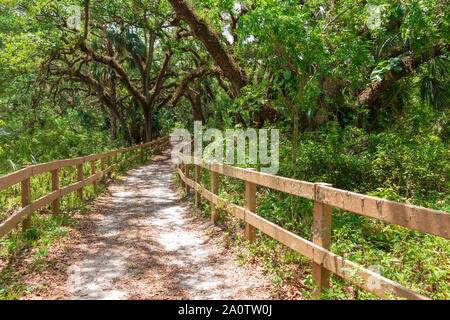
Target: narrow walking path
{"points": [[144, 243]]}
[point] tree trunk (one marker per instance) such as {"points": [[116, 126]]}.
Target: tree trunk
{"points": [[148, 126], [328, 101], [266, 112], [375, 89], [208, 36], [126, 130], [112, 127], [134, 133], [196, 104]]}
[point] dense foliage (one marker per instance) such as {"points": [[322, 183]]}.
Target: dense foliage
{"points": [[358, 89]]}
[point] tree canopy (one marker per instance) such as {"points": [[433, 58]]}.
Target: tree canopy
{"points": [[136, 68], [358, 89]]}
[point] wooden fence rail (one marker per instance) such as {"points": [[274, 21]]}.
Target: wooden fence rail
{"points": [[325, 197], [23, 177]]}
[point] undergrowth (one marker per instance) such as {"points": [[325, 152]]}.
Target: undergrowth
{"points": [[399, 166]]}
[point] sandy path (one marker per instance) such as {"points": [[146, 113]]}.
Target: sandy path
{"points": [[146, 244]]}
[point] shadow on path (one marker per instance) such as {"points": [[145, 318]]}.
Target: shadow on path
{"points": [[147, 245]]}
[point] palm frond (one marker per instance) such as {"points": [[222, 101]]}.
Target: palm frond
{"points": [[434, 92]]}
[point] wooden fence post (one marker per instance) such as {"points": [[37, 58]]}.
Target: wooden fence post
{"points": [[102, 166], [109, 165], [186, 173], [93, 171], [250, 205], [214, 189], [55, 186], [26, 198], [80, 177], [181, 167], [322, 237], [198, 195]]}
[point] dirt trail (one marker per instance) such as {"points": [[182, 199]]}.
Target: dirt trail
{"points": [[146, 244]]}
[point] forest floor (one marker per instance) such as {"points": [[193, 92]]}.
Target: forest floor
{"points": [[142, 240]]}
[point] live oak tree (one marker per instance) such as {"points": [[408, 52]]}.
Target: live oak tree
{"points": [[296, 65], [358, 89], [137, 53], [348, 52], [122, 56]]}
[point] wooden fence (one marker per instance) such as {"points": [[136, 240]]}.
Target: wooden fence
{"points": [[325, 197], [23, 177]]}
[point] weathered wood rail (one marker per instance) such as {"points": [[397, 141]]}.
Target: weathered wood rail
{"points": [[325, 197], [23, 177]]}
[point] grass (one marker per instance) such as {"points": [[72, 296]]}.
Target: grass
{"points": [[27, 252]]}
